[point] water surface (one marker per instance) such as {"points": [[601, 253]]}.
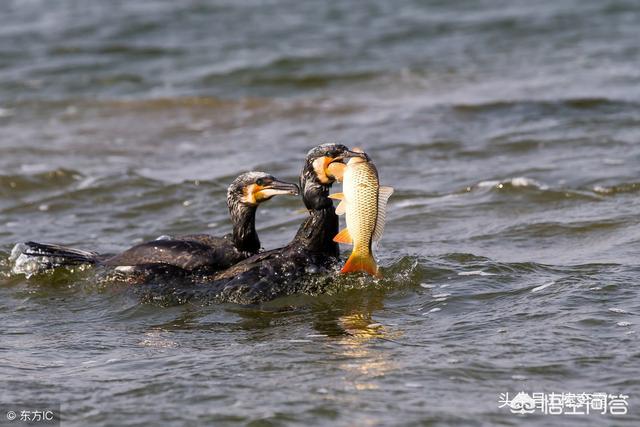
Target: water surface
{"points": [[509, 129]]}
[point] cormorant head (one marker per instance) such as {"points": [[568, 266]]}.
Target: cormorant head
{"points": [[253, 188], [323, 166]]}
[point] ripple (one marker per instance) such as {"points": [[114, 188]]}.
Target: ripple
{"points": [[631, 187], [541, 287], [14, 185], [475, 273], [530, 188], [553, 105]]}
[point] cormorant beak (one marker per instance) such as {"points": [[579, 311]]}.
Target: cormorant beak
{"points": [[349, 154], [336, 167], [275, 188], [356, 152]]}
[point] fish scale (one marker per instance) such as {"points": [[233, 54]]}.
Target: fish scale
{"points": [[363, 193], [364, 203]]}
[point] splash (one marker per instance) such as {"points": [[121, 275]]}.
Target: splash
{"points": [[31, 265]]}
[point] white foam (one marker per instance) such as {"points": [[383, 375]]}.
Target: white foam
{"points": [[413, 385], [522, 181], [624, 324], [617, 310], [487, 184], [475, 273], [433, 310], [87, 182], [518, 181], [541, 287], [26, 264]]}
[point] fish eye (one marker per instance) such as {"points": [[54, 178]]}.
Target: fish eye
{"points": [[260, 181]]}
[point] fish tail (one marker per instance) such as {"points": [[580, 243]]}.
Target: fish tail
{"points": [[361, 262]]}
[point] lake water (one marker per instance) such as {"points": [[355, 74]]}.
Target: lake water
{"points": [[509, 129]]}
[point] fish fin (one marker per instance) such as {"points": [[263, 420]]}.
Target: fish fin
{"points": [[336, 196], [343, 237], [383, 196], [341, 208], [358, 262]]}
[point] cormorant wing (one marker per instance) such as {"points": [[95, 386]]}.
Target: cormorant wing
{"points": [[186, 254]]}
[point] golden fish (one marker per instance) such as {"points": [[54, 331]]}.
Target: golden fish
{"points": [[365, 202]]}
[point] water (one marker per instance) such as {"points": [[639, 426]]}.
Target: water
{"points": [[509, 130]]}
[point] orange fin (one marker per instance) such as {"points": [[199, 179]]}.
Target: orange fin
{"points": [[336, 196], [364, 263], [343, 237]]}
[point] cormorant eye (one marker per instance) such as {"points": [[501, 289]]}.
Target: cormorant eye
{"points": [[260, 181]]}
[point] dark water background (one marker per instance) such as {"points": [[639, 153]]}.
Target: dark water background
{"points": [[510, 130]]}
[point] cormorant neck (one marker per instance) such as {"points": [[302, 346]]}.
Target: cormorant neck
{"points": [[245, 237], [318, 230]]}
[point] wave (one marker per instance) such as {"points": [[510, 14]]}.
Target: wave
{"points": [[587, 103], [46, 180], [624, 188], [528, 186], [116, 49], [299, 71]]}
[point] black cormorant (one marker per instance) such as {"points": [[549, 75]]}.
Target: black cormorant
{"points": [[198, 253], [278, 272]]}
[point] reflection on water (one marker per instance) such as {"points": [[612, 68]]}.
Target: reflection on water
{"points": [[156, 340]]}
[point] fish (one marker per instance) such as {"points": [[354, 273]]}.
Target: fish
{"points": [[364, 203]]}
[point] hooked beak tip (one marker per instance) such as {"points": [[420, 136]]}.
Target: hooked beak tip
{"points": [[285, 188], [357, 152]]}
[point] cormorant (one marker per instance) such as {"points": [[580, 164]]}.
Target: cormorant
{"points": [[278, 272], [199, 253]]}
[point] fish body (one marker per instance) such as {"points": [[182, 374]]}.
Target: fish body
{"points": [[364, 202]]}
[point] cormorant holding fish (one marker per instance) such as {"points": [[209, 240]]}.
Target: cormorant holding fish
{"points": [[282, 271], [198, 253]]}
